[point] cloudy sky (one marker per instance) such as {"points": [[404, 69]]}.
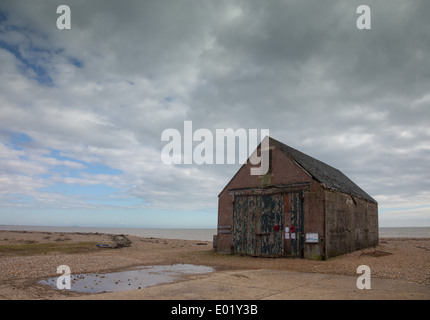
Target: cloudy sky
{"points": [[82, 110]]}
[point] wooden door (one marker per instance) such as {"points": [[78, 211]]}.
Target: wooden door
{"points": [[258, 225], [297, 225]]}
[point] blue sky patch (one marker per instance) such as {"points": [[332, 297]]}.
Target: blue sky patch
{"points": [[26, 65], [97, 168], [90, 168], [16, 140], [119, 202], [76, 189], [76, 62]]}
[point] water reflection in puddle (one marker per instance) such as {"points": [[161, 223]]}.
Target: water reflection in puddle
{"points": [[137, 278]]}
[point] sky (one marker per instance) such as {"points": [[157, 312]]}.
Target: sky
{"points": [[82, 110]]}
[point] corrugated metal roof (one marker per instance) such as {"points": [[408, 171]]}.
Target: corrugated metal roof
{"points": [[332, 178]]}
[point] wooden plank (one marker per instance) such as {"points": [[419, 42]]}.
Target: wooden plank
{"points": [[272, 214], [297, 220]]}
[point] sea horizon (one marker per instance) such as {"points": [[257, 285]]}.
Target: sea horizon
{"points": [[203, 234]]}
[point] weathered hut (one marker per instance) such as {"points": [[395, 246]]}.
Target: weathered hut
{"points": [[301, 207]]}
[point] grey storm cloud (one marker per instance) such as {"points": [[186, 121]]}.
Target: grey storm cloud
{"points": [[127, 70]]}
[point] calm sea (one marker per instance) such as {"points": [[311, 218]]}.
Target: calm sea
{"points": [[200, 234]]}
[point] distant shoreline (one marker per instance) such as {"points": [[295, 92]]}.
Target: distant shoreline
{"points": [[204, 234], [165, 233]]}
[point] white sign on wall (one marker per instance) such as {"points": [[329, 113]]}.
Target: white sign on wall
{"points": [[312, 237]]}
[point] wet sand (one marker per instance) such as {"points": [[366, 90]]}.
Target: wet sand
{"points": [[22, 270]]}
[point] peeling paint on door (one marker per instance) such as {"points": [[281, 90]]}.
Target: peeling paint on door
{"points": [[245, 212], [297, 223], [258, 225], [271, 241]]}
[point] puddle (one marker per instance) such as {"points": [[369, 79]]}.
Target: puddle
{"points": [[137, 278]]}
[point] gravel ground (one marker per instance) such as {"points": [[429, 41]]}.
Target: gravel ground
{"points": [[408, 260]]}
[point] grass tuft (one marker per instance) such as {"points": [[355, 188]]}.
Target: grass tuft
{"points": [[30, 249]]}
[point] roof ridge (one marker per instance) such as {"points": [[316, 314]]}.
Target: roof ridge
{"points": [[302, 153], [331, 177]]}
